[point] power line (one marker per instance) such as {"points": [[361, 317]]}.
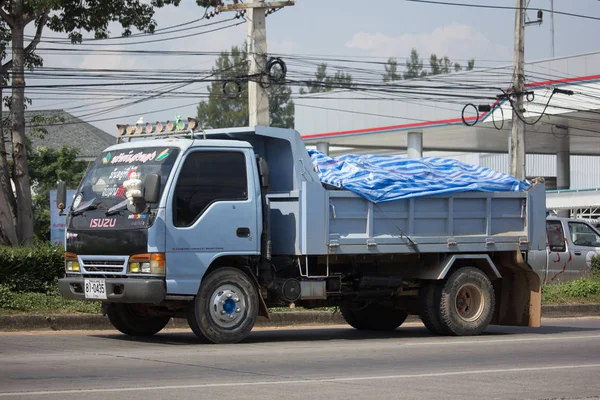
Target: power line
{"points": [[500, 8]]}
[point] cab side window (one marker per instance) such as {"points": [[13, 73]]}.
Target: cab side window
{"points": [[583, 235], [205, 178], [556, 236]]}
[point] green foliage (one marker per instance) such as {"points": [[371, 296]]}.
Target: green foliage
{"points": [[443, 65], [46, 167], [414, 66], [30, 269], [391, 70], [596, 264], [221, 111], [48, 302], [583, 290], [326, 83]]}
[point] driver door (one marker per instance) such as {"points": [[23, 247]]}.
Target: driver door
{"points": [[212, 211]]}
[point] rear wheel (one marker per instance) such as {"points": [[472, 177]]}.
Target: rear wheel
{"points": [[374, 316], [126, 319], [430, 294], [466, 302], [225, 308]]}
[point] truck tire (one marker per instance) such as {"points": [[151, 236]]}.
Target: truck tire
{"points": [[429, 296], [225, 308], [466, 302], [374, 317], [126, 320]]}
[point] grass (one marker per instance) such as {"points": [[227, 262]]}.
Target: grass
{"points": [[50, 302], [582, 291]]}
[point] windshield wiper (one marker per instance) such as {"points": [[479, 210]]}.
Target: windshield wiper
{"points": [[117, 208], [88, 206]]}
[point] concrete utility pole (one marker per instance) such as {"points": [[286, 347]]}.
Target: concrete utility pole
{"points": [[552, 24], [258, 96], [517, 150]]}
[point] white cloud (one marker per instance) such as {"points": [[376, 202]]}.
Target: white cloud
{"points": [[458, 41]]}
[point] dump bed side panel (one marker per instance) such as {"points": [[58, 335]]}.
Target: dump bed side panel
{"points": [[462, 222]]}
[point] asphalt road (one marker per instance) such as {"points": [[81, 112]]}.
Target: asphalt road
{"points": [[560, 360]]}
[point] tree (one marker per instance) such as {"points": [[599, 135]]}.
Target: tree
{"points": [[414, 66], [391, 70], [434, 65], [227, 104], [326, 83], [68, 16], [470, 64], [443, 65], [46, 167]]}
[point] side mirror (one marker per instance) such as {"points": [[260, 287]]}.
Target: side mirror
{"points": [[263, 170], [61, 196], [152, 188]]}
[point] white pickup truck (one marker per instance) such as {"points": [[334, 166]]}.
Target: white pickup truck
{"points": [[571, 245]]}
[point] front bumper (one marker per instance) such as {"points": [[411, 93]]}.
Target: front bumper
{"points": [[118, 290]]}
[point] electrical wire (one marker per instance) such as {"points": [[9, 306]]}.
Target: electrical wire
{"points": [[496, 7]]}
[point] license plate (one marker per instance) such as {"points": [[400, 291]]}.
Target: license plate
{"points": [[95, 289]]}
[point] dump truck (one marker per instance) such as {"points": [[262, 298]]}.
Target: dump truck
{"points": [[218, 226]]}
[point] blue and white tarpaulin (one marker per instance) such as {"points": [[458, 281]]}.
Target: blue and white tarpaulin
{"points": [[388, 178]]}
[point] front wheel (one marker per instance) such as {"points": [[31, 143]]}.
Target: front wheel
{"points": [[373, 316], [225, 308], [466, 303], [128, 320]]}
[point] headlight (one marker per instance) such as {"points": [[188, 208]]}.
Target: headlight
{"points": [[134, 267], [71, 263], [151, 263]]}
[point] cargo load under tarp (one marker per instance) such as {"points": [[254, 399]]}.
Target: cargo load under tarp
{"points": [[388, 178]]}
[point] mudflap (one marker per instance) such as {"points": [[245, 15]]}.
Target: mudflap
{"points": [[518, 293], [263, 310]]}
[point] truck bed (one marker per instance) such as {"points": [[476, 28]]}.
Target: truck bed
{"points": [[341, 222]]}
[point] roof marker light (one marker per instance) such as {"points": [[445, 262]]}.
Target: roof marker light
{"points": [[122, 129], [170, 126], [192, 123]]}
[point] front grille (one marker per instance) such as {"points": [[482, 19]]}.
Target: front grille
{"points": [[103, 266], [103, 262], [103, 269]]}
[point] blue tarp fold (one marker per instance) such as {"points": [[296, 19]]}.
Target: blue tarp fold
{"points": [[388, 178]]}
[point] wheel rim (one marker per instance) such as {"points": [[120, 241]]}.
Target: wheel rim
{"points": [[228, 305], [469, 303]]}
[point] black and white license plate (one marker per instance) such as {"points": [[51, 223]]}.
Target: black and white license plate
{"points": [[95, 288]]}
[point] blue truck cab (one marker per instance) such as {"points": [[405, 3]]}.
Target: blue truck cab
{"points": [[217, 226]]}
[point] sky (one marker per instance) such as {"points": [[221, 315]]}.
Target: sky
{"points": [[312, 31]]}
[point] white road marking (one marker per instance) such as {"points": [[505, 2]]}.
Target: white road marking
{"points": [[297, 382], [471, 341]]}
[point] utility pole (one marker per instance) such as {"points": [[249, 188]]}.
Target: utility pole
{"points": [[258, 96], [552, 24], [517, 143]]}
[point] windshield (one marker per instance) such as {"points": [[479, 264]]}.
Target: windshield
{"points": [[102, 186]]}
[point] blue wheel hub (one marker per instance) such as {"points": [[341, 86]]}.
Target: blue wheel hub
{"points": [[229, 306]]}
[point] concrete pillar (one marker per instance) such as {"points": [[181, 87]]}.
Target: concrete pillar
{"points": [[414, 145], [323, 147], [563, 168]]}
